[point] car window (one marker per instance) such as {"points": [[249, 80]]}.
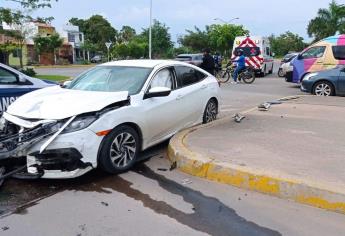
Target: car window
{"points": [[112, 79], [339, 52], [163, 78], [248, 51], [187, 76], [7, 77], [314, 52]]}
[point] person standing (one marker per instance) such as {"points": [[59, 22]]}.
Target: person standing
{"points": [[208, 63], [241, 64]]}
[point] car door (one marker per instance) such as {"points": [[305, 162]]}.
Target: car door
{"points": [[162, 113], [11, 88], [192, 94], [341, 81]]}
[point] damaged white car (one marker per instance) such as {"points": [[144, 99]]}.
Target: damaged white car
{"points": [[106, 116]]}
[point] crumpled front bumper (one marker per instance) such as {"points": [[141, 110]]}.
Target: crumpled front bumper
{"points": [[51, 154]]}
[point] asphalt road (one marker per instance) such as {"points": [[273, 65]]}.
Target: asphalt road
{"points": [[154, 200]]}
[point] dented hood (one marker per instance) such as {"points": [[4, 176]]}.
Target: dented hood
{"points": [[58, 103]]}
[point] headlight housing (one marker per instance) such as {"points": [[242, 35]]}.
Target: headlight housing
{"points": [[79, 123], [309, 76]]}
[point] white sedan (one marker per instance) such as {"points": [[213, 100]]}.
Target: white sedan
{"points": [[106, 116]]}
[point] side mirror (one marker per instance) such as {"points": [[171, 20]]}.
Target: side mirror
{"points": [[273, 54], [23, 81], [299, 57], [66, 84], [157, 92]]}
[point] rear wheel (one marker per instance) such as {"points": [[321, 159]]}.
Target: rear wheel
{"points": [[248, 76], [280, 72], [271, 70], [211, 112], [323, 88], [119, 150]]}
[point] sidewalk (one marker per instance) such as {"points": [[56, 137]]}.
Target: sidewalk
{"points": [[294, 151]]}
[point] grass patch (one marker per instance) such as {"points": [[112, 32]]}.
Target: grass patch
{"points": [[53, 77]]}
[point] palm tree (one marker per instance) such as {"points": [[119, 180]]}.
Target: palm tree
{"points": [[328, 22]]}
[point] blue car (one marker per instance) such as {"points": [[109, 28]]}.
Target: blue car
{"points": [[14, 84], [325, 83]]}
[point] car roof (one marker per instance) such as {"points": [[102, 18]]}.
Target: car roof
{"points": [[189, 55], [144, 63]]}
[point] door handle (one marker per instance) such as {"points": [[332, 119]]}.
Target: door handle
{"points": [[319, 62], [204, 86]]}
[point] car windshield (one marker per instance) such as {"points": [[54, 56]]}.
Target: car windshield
{"points": [[112, 79], [248, 51]]}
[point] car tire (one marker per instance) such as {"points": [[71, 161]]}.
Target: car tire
{"points": [[119, 150], [263, 73], [280, 72], [210, 112], [271, 70], [323, 88]]}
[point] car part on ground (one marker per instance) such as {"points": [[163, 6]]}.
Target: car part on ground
{"points": [[238, 117]]}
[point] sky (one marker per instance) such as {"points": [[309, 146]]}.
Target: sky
{"points": [[263, 17]]}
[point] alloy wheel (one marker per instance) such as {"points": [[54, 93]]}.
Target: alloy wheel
{"points": [[211, 112], [123, 149], [323, 89]]}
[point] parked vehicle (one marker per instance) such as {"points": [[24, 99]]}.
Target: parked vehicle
{"points": [[325, 54], [194, 59], [106, 116], [325, 83], [285, 65], [257, 51], [96, 59], [14, 84]]}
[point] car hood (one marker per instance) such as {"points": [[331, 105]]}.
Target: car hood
{"points": [[57, 103]]}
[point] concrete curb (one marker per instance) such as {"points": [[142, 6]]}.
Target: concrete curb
{"points": [[286, 187]]}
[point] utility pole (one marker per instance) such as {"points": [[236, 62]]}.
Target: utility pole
{"points": [[150, 32]]}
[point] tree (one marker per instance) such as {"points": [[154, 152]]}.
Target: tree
{"points": [[195, 40], [328, 22], [97, 31], [126, 34], [11, 16], [222, 37], [287, 42], [161, 39], [18, 19], [48, 44]]}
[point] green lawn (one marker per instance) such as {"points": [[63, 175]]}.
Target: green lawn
{"points": [[56, 78]]}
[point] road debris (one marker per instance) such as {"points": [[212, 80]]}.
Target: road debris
{"points": [[186, 181], [238, 117], [264, 106], [105, 203], [162, 169], [5, 228]]}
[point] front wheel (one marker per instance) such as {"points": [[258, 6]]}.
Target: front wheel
{"points": [[323, 88], [119, 150], [223, 76], [280, 72], [211, 112]]}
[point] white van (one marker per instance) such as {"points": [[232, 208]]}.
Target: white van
{"points": [[257, 51]]}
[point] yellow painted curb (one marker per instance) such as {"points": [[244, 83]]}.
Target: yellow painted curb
{"points": [[298, 190]]}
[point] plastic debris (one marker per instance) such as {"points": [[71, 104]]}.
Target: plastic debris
{"points": [[264, 106], [238, 117], [186, 181]]}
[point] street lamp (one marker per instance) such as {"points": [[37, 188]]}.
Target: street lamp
{"points": [[150, 33], [227, 22]]}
